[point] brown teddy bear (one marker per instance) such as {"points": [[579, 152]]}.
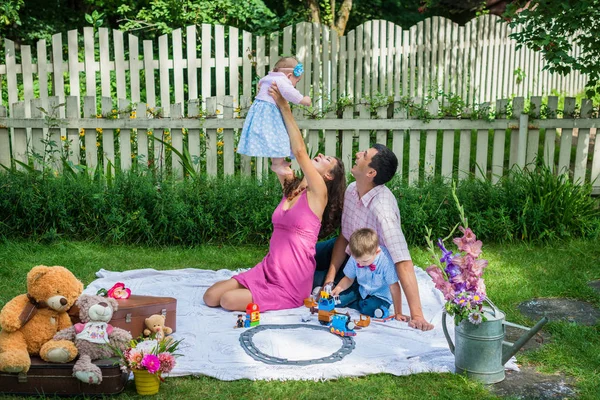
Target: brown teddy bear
{"points": [[29, 321], [156, 324], [94, 337]]}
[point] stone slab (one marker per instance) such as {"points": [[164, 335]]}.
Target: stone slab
{"points": [[557, 309], [530, 384]]}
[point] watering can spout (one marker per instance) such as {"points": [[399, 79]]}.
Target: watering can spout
{"points": [[510, 349]]}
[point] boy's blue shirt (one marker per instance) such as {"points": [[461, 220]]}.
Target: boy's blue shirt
{"points": [[374, 283]]}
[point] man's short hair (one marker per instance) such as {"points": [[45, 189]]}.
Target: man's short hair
{"points": [[363, 241], [385, 163]]}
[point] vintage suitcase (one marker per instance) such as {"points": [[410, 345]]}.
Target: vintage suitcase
{"points": [[133, 311], [57, 379]]}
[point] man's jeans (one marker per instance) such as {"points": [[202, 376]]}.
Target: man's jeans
{"points": [[323, 259]]}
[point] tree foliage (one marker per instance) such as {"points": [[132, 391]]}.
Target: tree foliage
{"points": [[553, 26]]}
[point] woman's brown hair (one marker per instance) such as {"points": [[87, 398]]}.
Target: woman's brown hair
{"points": [[336, 187]]}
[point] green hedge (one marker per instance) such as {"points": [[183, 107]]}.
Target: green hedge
{"points": [[135, 208]]}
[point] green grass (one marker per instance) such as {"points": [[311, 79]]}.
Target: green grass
{"points": [[516, 273]]}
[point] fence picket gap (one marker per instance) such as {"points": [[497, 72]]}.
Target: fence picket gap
{"points": [[125, 152], [72, 139], [5, 158]]}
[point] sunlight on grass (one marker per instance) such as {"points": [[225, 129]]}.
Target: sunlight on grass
{"points": [[515, 273]]}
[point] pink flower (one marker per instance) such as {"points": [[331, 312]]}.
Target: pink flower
{"points": [[447, 291], [468, 238], [151, 362], [478, 266], [167, 362], [436, 275], [473, 249], [134, 357], [119, 291]]}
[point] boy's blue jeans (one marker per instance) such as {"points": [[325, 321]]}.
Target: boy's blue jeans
{"points": [[365, 306]]}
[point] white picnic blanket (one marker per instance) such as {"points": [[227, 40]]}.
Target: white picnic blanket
{"points": [[211, 345]]}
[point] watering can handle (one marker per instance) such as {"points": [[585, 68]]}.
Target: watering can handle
{"points": [[494, 308], [445, 328]]}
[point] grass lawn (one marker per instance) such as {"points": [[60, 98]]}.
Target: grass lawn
{"points": [[516, 273]]}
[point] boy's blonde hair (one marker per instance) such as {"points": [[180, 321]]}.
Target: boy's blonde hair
{"points": [[285, 62], [363, 242]]}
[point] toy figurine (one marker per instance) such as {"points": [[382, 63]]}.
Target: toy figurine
{"points": [[240, 321], [252, 315]]}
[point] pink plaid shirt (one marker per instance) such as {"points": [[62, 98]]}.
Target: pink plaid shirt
{"points": [[378, 210]]}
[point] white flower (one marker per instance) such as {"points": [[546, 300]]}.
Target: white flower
{"points": [[147, 346], [475, 318]]}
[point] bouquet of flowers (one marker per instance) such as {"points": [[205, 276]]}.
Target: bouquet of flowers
{"points": [[156, 356], [458, 275]]}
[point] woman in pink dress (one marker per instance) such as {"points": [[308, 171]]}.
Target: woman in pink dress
{"points": [[311, 207]]}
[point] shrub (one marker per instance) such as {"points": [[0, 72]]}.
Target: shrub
{"points": [[136, 208]]}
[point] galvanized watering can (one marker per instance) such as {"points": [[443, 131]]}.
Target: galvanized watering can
{"points": [[480, 350]]}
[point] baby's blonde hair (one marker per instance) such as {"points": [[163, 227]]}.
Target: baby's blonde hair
{"points": [[363, 242], [285, 62]]}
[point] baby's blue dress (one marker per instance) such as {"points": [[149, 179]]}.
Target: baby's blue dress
{"points": [[264, 133]]}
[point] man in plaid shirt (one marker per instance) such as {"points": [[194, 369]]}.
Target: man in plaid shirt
{"points": [[368, 203]]}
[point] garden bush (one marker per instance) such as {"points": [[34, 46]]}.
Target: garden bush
{"points": [[136, 208]]}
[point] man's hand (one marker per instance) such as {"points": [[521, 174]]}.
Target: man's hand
{"points": [[420, 323], [402, 317]]}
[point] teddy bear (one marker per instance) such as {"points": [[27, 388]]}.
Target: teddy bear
{"points": [[94, 337], [30, 321], [156, 324]]}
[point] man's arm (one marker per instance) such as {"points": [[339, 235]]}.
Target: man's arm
{"points": [[408, 279], [338, 255], [397, 299]]}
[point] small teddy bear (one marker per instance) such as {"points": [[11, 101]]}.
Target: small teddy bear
{"points": [[156, 324], [94, 337], [29, 321]]}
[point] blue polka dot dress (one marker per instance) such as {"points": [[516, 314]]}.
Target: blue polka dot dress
{"points": [[264, 133]]}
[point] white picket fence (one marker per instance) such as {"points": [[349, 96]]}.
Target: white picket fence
{"points": [[124, 137], [476, 61]]}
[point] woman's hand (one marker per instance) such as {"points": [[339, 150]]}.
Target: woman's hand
{"points": [[276, 95]]}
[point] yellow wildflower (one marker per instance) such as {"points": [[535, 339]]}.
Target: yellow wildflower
{"points": [[81, 132], [99, 116], [220, 143], [149, 133], [238, 109], [97, 144], [219, 130], [83, 148], [63, 138], [99, 130], [132, 115], [220, 152], [218, 112], [130, 140]]}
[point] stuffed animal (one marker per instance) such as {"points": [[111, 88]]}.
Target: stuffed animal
{"points": [[156, 324], [94, 337], [29, 321]]}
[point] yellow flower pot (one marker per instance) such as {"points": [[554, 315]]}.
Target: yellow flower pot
{"points": [[145, 382]]}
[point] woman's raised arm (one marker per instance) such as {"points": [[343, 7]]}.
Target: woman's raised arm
{"points": [[315, 181]]}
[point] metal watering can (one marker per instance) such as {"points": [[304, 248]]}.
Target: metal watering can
{"points": [[480, 350]]}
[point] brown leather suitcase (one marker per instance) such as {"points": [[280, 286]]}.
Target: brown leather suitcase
{"points": [[57, 379], [133, 311]]}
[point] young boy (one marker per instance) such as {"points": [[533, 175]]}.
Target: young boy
{"points": [[374, 271]]}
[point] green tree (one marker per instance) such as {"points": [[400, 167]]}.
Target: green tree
{"points": [[553, 26], [162, 16]]}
